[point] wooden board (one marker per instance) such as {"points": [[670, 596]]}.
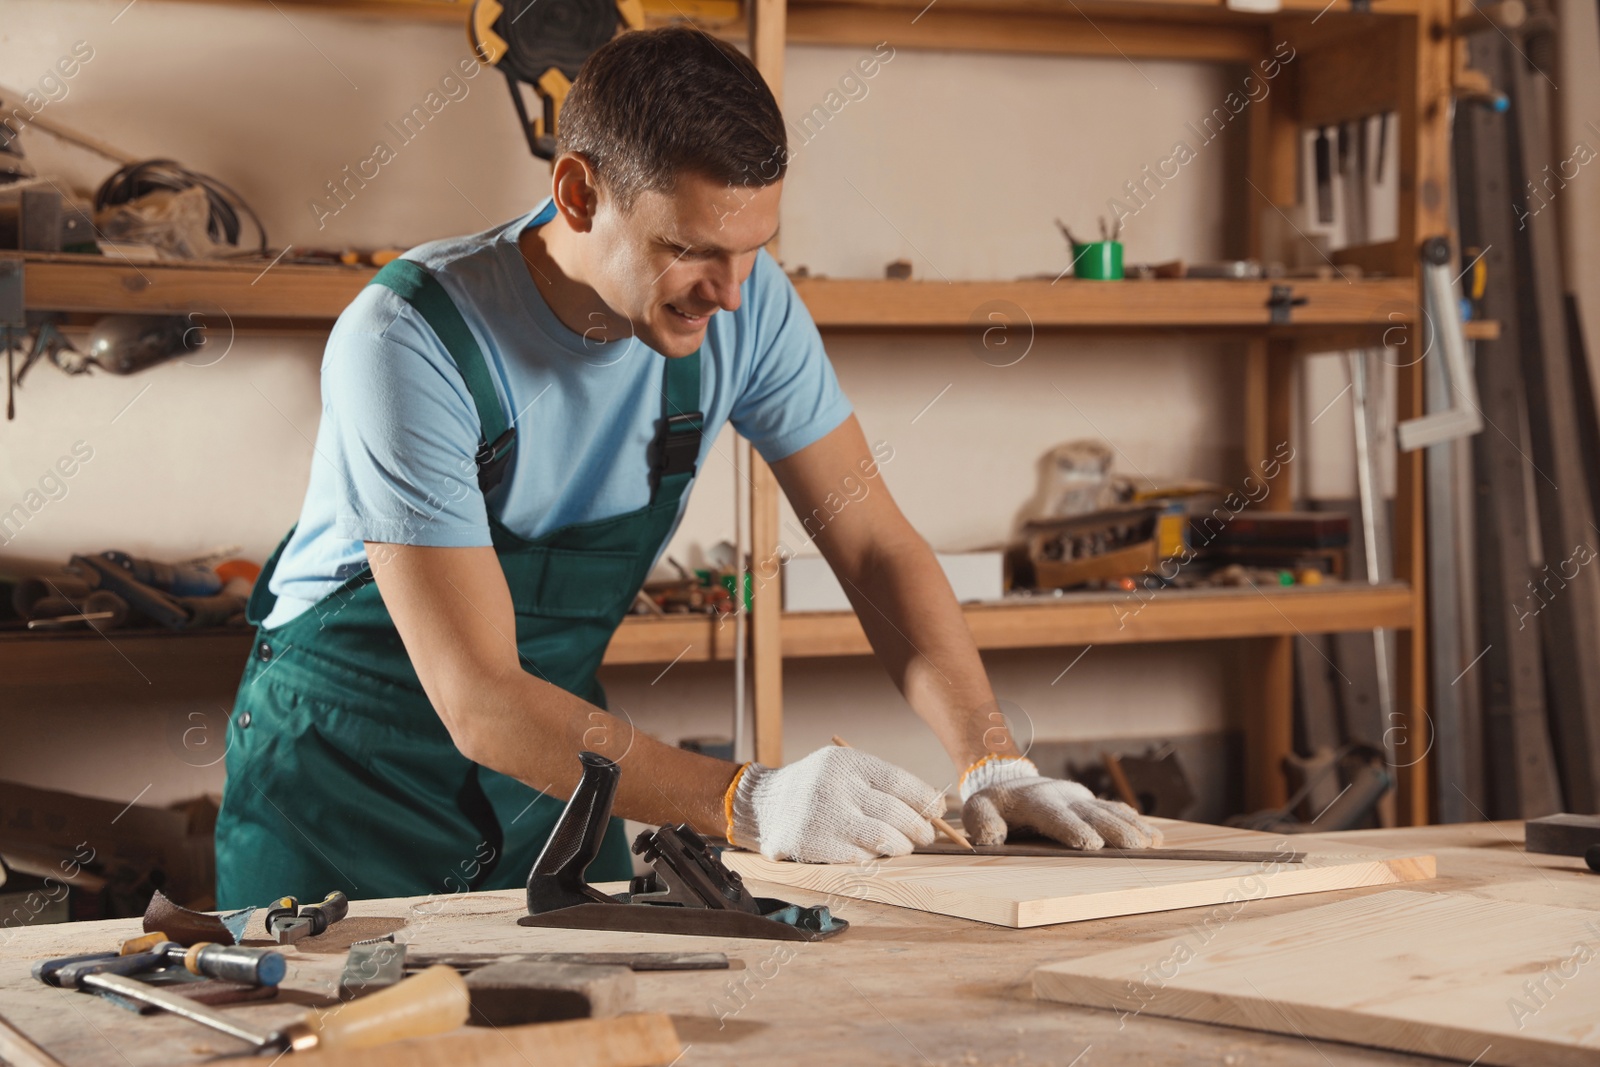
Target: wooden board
{"points": [[1465, 977], [642, 1040], [1128, 617], [1025, 891]]}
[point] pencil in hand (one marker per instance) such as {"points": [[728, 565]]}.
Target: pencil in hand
{"points": [[938, 824]]}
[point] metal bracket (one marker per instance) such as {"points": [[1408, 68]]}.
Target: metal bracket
{"points": [[1462, 418], [1282, 301]]}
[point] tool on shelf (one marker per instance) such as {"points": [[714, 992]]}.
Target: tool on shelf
{"points": [[544, 51], [429, 1003], [689, 890], [288, 920]]}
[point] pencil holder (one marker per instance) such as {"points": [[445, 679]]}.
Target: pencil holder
{"points": [[1099, 261]]}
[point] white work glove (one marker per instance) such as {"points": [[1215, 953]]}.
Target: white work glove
{"points": [[838, 805], [1000, 794]]}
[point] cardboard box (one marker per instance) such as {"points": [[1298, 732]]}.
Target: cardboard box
{"points": [[136, 849], [809, 584]]}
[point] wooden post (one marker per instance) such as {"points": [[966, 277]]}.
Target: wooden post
{"points": [[1268, 389], [1426, 59], [767, 28]]}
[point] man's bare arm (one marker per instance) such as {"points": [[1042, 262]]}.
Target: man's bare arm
{"points": [[898, 590], [453, 610]]}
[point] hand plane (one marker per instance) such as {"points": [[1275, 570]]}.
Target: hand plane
{"points": [[689, 890]]}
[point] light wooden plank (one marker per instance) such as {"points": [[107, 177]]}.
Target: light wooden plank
{"points": [[766, 616], [1133, 618], [1458, 976], [1025, 891]]}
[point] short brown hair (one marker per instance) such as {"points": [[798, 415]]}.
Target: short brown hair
{"points": [[651, 104]]}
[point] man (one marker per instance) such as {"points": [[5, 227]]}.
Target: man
{"points": [[511, 421]]}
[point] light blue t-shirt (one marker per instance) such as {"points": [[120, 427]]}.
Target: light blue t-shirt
{"points": [[395, 453]]}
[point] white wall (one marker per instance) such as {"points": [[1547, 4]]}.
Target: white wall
{"points": [[959, 163]]}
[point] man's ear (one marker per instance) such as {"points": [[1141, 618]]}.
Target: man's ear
{"points": [[576, 189]]}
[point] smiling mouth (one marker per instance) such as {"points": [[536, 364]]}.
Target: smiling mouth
{"points": [[693, 320]]}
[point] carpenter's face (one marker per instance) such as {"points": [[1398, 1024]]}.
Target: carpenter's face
{"points": [[679, 257]]}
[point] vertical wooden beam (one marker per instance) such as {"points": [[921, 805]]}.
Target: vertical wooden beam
{"points": [[767, 29], [1273, 158], [1269, 735], [1272, 164], [1426, 59], [1269, 728]]}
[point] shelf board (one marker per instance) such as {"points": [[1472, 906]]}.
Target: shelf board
{"points": [[656, 12], [1127, 618], [671, 639], [297, 295], [242, 292], [157, 665], [1161, 304]]}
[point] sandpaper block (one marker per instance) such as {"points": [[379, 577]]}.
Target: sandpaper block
{"points": [[188, 927], [517, 992], [1564, 834]]}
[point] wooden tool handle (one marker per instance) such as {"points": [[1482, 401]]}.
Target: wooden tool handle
{"points": [[430, 1002]]}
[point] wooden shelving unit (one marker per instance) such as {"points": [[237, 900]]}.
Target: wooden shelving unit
{"points": [[1353, 60], [1387, 56]]}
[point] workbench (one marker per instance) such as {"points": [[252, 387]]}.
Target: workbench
{"points": [[899, 987]]}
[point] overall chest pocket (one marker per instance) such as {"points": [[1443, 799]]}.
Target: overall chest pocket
{"points": [[565, 583]]}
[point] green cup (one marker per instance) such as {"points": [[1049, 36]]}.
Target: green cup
{"points": [[1099, 261]]}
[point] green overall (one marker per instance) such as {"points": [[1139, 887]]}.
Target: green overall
{"points": [[340, 773]]}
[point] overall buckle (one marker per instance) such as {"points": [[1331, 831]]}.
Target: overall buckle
{"points": [[492, 457], [677, 446]]}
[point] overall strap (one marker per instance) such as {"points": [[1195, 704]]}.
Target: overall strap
{"points": [[413, 284], [676, 449]]}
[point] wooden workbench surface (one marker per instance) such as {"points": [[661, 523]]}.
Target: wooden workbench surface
{"points": [[900, 987]]}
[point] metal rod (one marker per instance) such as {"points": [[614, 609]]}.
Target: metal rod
{"points": [[1064, 853], [59, 620], [1361, 380], [144, 993]]}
